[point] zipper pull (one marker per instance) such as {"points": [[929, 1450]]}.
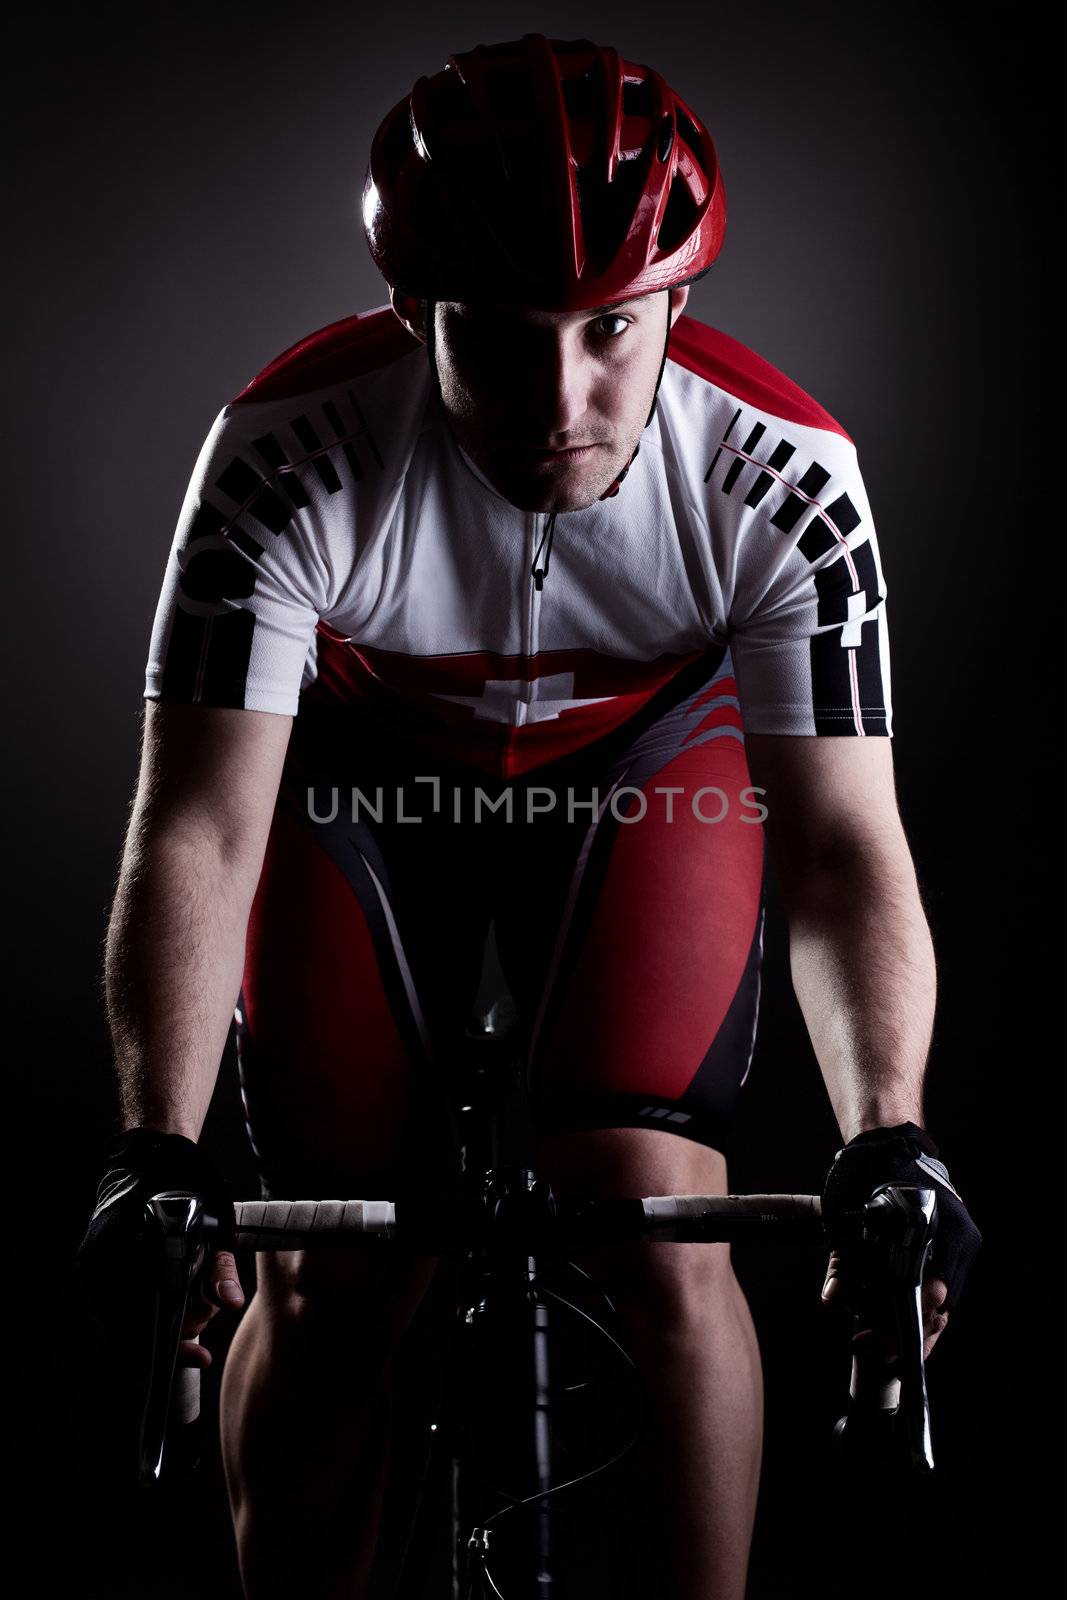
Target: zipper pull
{"points": [[539, 574]]}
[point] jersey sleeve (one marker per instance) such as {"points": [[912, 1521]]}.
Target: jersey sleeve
{"points": [[245, 582], [807, 618]]}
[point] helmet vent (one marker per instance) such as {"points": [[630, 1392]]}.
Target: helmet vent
{"points": [[582, 95], [607, 208], [678, 218], [637, 98], [511, 97], [688, 132]]}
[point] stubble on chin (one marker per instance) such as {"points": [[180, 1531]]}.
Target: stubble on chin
{"points": [[571, 491], [543, 493]]}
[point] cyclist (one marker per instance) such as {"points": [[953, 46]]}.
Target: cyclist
{"points": [[526, 602]]}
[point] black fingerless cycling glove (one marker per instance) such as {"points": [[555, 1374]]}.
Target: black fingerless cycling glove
{"points": [[904, 1154], [141, 1163]]}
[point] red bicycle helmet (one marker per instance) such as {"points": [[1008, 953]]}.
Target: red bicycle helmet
{"points": [[544, 173]]}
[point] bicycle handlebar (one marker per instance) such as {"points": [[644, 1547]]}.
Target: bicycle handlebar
{"points": [[303, 1224], [893, 1237]]}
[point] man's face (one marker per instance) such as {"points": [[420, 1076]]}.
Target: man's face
{"points": [[521, 389]]}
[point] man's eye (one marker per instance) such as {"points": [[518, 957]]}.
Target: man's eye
{"points": [[613, 316]]}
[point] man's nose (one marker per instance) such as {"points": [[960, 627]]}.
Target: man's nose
{"points": [[558, 391]]}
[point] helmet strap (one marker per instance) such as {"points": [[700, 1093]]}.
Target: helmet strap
{"points": [[429, 323], [663, 363]]}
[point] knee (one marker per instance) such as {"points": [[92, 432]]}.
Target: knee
{"points": [[668, 1293], [666, 1290]]}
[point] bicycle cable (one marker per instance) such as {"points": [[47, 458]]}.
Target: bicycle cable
{"points": [[435, 1437], [515, 1502], [518, 1503], [573, 1388]]}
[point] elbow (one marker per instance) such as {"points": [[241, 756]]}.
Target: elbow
{"points": [[846, 869]]}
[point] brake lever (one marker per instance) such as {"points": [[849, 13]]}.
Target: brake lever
{"points": [[179, 1222], [887, 1392]]}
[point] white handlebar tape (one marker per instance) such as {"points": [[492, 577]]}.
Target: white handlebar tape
{"points": [[878, 1390], [185, 1400], [283, 1224]]}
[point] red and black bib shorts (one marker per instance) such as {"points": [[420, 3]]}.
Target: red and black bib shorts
{"points": [[624, 884]]}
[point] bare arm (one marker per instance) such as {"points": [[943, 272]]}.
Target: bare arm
{"points": [[860, 951], [175, 942], [861, 955]]}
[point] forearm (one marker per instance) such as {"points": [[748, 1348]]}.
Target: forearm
{"points": [[865, 976], [173, 968]]}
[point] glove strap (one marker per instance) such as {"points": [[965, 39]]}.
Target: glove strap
{"points": [[902, 1130], [137, 1145]]}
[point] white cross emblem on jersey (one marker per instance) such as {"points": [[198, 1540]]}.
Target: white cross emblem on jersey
{"points": [[508, 699]]}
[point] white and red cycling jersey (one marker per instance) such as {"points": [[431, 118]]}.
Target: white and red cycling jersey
{"points": [[335, 533]]}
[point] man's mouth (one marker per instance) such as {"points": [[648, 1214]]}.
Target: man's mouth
{"points": [[578, 453]]}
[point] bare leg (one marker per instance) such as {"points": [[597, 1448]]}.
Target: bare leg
{"points": [[305, 1422], [691, 1334], [704, 1384]]}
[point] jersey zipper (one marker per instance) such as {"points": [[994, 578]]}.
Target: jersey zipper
{"points": [[531, 617]]}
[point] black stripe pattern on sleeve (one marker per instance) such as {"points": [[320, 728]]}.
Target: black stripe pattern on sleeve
{"points": [[210, 644], [846, 671]]}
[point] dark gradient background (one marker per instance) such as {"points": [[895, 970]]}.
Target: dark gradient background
{"points": [[186, 184]]}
